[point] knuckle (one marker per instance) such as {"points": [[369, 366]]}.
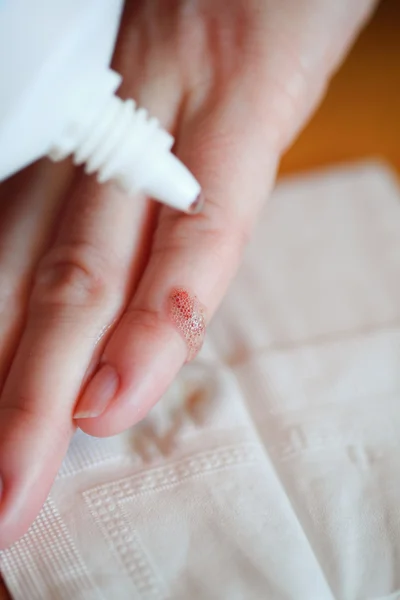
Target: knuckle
{"points": [[146, 319], [72, 276], [148, 325]]}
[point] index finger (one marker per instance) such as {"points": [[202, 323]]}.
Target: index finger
{"points": [[197, 255]]}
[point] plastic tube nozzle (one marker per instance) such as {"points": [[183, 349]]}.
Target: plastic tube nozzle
{"points": [[121, 143]]}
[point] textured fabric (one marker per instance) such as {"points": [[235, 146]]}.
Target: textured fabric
{"points": [[270, 470]]}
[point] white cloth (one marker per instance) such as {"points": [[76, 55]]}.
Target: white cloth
{"points": [[271, 469]]}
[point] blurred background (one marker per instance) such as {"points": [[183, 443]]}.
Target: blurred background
{"points": [[360, 115]]}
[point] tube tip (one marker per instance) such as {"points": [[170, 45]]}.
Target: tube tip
{"points": [[170, 182], [197, 206]]}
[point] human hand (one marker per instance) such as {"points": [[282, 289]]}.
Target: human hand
{"points": [[234, 81]]}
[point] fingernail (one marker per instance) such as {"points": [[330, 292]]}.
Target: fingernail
{"points": [[98, 394]]}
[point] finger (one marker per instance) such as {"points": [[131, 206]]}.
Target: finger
{"points": [[80, 288], [199, 254], [232, 139], [29, 203]]}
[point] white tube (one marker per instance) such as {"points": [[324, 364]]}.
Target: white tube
{"points": [[58, 98]]}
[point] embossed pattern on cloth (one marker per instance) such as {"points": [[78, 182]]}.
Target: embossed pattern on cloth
{"points": [[266, 471], [44, 553]]}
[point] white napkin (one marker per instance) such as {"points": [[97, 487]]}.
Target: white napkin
{"points": [[271, 469]]}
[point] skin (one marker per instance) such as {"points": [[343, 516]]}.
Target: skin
{"points": [[85, 271]]}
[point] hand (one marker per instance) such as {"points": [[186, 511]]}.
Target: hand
{"points": [[85, 280]]}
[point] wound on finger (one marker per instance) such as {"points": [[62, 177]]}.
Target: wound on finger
{"points": [[188, 316]]}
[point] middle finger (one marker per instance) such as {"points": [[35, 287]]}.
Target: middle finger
{"points": [[81, 286]]}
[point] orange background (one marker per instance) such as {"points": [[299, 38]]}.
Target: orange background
{"points": [[360, 115]]}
